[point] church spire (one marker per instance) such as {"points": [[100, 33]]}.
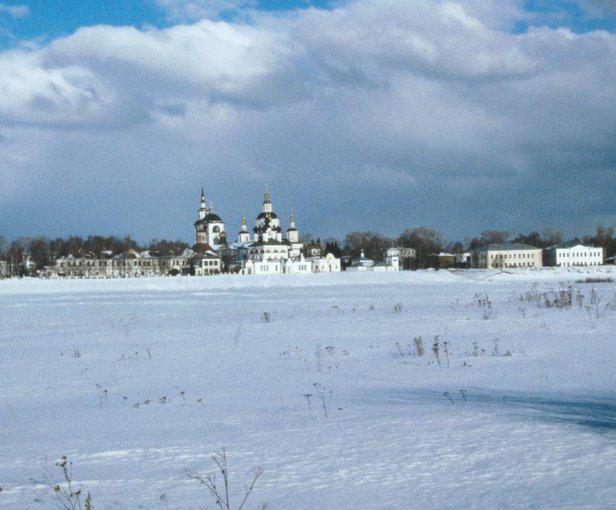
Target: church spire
{"points": [[267, 201], [244, 236], [291, 221], [292, 233], [203, 207]]}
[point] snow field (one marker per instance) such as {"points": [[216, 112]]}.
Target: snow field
{"points": [[317, 380]]}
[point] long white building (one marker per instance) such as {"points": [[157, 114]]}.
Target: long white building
{"points": [[508, 255], [573, 255]]}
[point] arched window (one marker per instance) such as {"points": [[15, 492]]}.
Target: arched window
{"points": [[216, 229]]}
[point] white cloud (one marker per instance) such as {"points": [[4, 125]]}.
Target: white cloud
{"points": [[32, 93], [438, 99], [215, 58]]}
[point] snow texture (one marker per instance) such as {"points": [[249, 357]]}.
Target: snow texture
{"points": [[137, 380]]}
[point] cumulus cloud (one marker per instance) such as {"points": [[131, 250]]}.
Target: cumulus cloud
{"points": [[368, 115]]}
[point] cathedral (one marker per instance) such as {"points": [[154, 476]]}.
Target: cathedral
{"points": [[264, 251]]}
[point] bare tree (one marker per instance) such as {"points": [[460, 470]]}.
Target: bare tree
{"points": [[373, 244], [489, 237], [424, 240]]}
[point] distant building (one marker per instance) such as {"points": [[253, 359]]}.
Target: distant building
{"points": [[205, 263], [406, 257], [361, 263], [134, 264], [392, 258], [447, 260], [507, 255], [312, 250], [442, 260], [269, 252], [573, 255], [328, 264], [209, 227], [463, 260], [364, 264], [27, 266]]}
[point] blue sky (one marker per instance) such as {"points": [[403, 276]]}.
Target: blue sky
{"points": [[462, 115], [49, 19]]}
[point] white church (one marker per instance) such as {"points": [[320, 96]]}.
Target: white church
{"points": [[265, 251]]}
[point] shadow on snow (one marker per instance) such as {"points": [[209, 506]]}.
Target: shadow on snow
{"points": [[597, 411]]}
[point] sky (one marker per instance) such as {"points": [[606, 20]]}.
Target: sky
{"points": [[461, 115]]}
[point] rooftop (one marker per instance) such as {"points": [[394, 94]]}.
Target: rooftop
{"points": [[508, 247]]}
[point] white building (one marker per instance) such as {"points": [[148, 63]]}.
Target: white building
{"points": [[269, 253], [361, 263], [507, 255], [393, 258], [573, 255], [133, 264], [299, 265], [263, 267], [206, 263], [209, 227], [364, 264], [327, 264]]}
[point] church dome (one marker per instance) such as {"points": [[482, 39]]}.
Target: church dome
{"points": [[212, 217], [271, 215]]}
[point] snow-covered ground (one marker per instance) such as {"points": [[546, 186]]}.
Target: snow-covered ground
{"points": [[315, 378]]}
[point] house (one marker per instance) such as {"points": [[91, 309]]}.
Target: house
{"points": [[361, 263], [364, 264], [406, 257], [572, 255], [463, 260], [327, 264], [301, 265], [392, 258], [313, 250], [507, 255], [262, 267], [442, 260]]}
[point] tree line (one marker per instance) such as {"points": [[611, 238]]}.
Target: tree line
{"points": [[425, 241]]}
